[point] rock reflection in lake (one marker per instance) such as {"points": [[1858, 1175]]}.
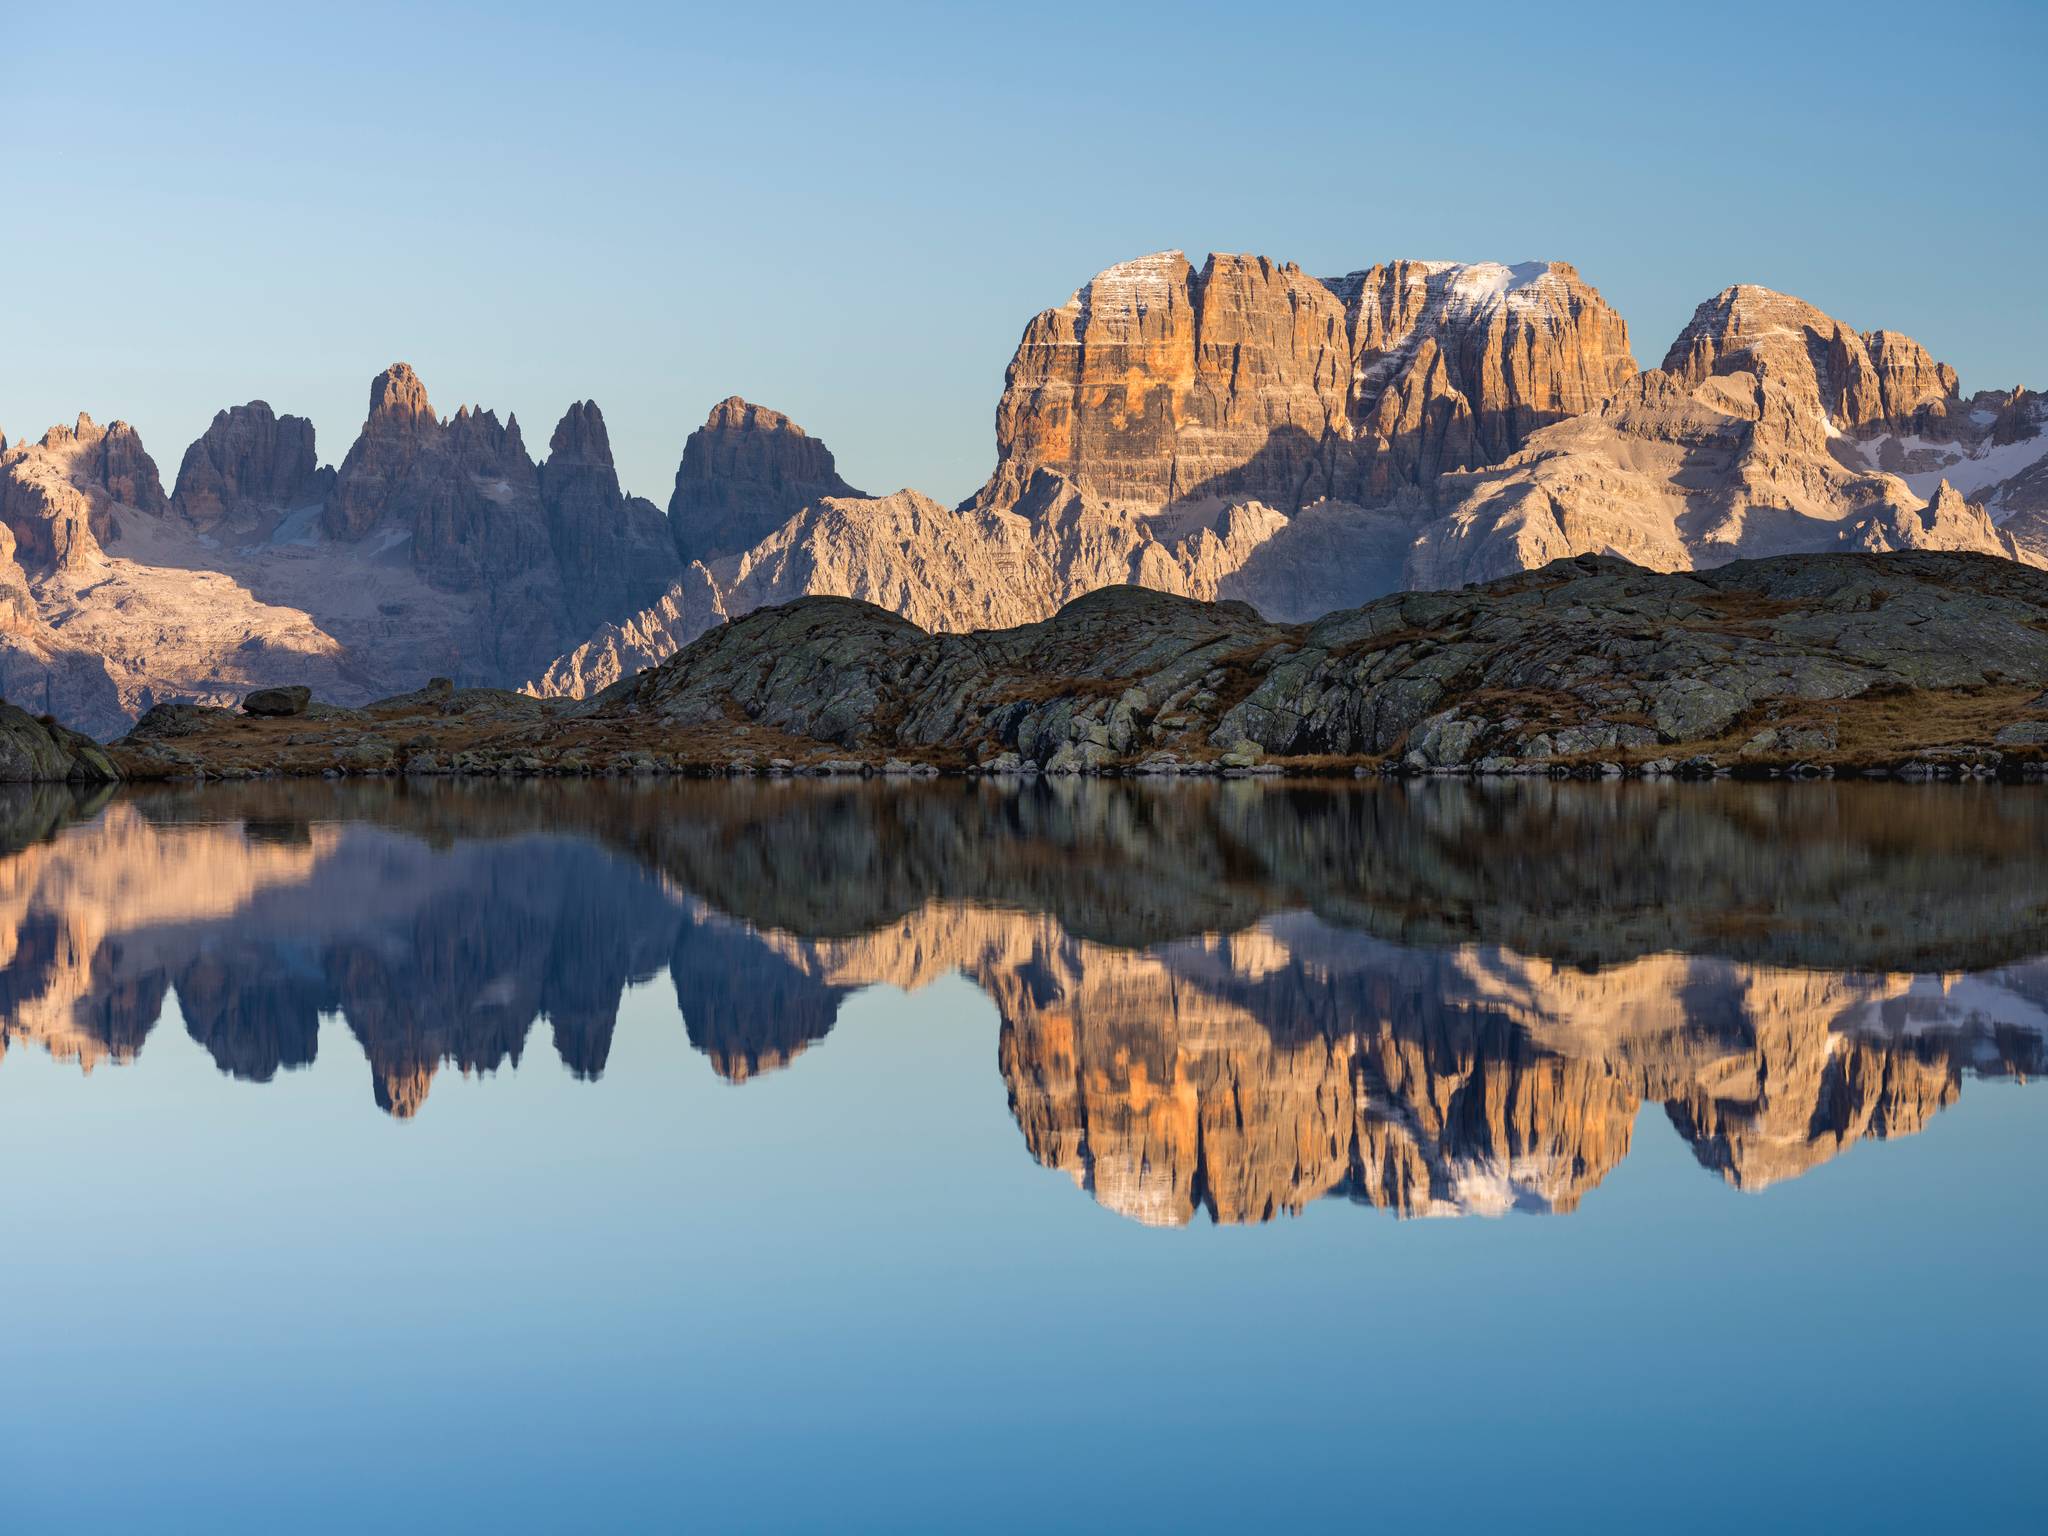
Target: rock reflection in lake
{"points": [[1235, 998]]}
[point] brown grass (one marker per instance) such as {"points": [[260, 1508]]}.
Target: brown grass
{"points": [[1877, 730], [1745, 607], [1036, 690], [1386, 640]]}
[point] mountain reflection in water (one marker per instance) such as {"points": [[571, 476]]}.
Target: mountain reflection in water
{"points": [[1228, 997]]}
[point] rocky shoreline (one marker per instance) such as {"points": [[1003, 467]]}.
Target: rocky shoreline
{"points": [[1913, 666]]}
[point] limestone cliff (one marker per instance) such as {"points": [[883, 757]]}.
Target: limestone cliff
{"points": [[1156, 383], [744, 473], [59, 497], [613, 551], [463, 492], [439, 548], [1771, 429], [1881, 378], [250, 467]]}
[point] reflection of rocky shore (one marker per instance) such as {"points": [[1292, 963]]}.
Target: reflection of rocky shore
{"points": [[1216, 997]]}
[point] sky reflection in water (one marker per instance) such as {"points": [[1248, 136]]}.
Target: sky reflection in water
{"points": [[837, 1295]]}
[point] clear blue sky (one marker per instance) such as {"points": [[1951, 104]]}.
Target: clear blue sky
{"points": [[850, 212]]}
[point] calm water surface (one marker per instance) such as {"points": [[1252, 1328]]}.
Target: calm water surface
{"points": [[1192, 1157]]}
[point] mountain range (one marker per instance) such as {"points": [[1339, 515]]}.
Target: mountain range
{"points": [[1238, 430]]}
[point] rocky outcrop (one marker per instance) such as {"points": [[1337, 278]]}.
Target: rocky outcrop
{"points": [[691, 605], [250, 466], [1946, 522], [613, 550], [971, 568], [744, 473], [1588, 657], [39, 750], [277, 702]]}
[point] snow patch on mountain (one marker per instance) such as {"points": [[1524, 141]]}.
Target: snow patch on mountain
{"points": [[1970, 471]]}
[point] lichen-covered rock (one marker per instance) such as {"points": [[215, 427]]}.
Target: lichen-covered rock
{"points": [[278, 701], [28, 753], [34, 751], [165, 722], [1790, 741]]}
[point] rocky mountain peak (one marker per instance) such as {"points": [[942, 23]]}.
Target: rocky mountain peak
{"points": [[1947, 522], [122, 467], [463, 491], [249, 463], [2019, 418], [476, 430], [737, 415], [397, 393], [1251, 380], [614, 551], [59, 496], [744, 473], [1856, 381], [580, 438], [1132, 288]]}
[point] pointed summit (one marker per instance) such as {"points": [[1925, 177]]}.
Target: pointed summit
{"points": [[463, 491], [614, 551], [580, 438], [398, 392]]}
